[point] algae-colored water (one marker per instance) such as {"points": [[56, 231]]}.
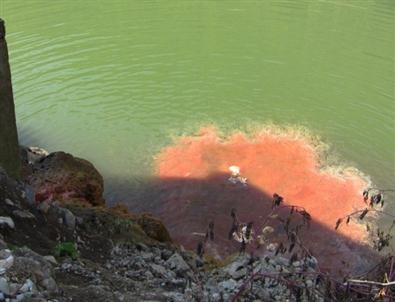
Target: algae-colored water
{"points": [[112, 81]]}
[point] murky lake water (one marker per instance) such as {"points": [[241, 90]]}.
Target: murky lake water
{"points": [[113, 81]]}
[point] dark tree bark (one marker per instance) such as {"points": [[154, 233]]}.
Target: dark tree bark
{"points": [[9, 147]]}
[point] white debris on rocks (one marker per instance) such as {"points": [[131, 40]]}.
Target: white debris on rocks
{"points": [[241, 235], [7, 222], [35, 154], [25, 274], [6, 260]]}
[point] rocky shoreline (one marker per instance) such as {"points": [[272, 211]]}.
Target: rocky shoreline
{"points": [[61, 244], [139, 272]]}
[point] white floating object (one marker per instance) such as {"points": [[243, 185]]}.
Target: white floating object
{"points": [[235, 170], [235, 177]]}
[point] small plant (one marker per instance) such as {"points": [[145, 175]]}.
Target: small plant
{"points": [[12, 247], [66, 249], [377, 284], [380, 238]]}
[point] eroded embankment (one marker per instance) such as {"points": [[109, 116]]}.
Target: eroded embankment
{"points": [[194, 190]]}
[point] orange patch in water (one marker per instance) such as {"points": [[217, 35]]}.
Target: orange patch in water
{"points": [[272, 163]]}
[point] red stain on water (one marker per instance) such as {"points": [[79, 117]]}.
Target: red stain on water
{"points": [[286, 164]]}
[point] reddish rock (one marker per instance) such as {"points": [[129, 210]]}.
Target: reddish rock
{"points": [[63, 177]]}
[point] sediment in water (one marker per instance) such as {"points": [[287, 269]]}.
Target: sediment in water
{"points": [[193, 189]]}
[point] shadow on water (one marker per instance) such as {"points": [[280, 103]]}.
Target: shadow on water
{"points": [[187, 205]]}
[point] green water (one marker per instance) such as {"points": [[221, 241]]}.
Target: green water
{"points": [[112, 81]]}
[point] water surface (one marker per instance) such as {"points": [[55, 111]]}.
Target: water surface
{"points": [[113, 81]]}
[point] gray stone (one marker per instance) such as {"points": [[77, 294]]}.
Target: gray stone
{"points": [[6, 260], [79, 220], [147, 256], [20, 297], [4, 287], [28, 286], [177, 263], [272, 262], [9, 202], [3, 244], [23, 214], [66, 266], [44, 207], [51, 259], [63, 216], [23, 297], [50, 285], [175, 297], [238, 268], [282, 261], [158, 260], [156, 251], [239, 273], [309, 283], [199, 262], [311, 262], [14, 288], [7, 221], [148, 275], [141, 246], [69, 219], [98, 293], [296, 264], [4, 254], [166, 254], [158, 270], [30, 194], [27, 262], [35, 154], [228, 285]]}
